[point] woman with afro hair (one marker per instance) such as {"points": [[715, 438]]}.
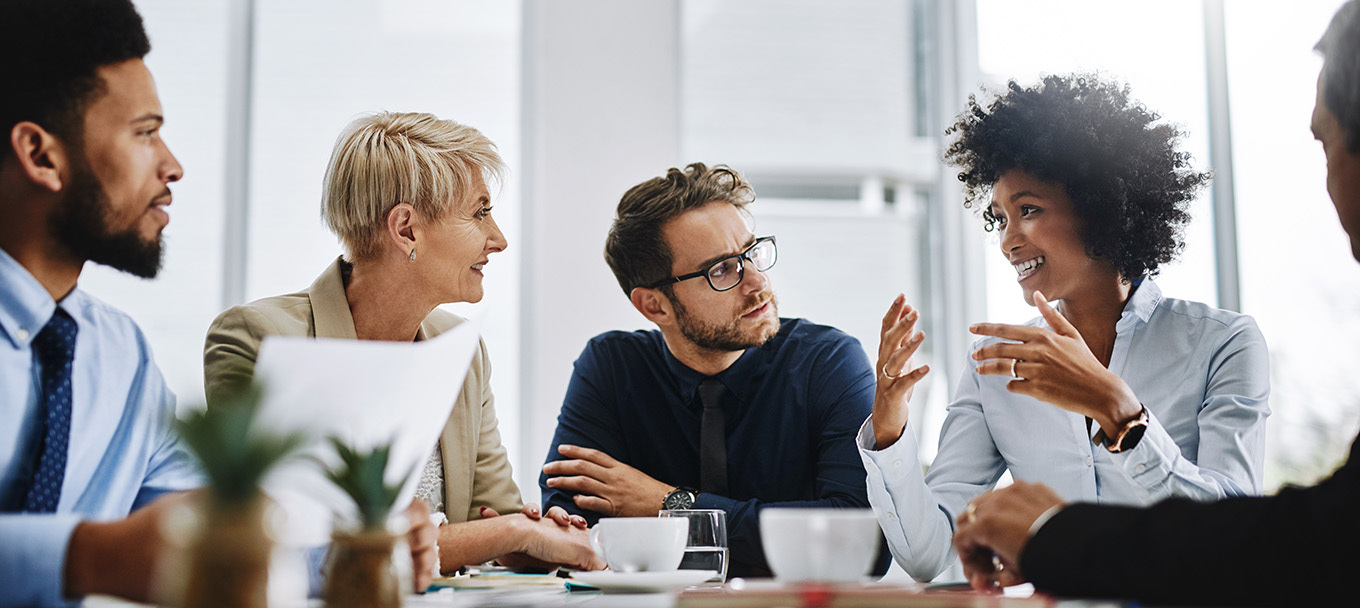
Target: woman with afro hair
{"points": [[1117, 394]]}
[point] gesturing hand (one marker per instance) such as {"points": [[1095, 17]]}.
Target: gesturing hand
{"points": [[605, 485], [993, 531], [1056, 367], [897, 343]]}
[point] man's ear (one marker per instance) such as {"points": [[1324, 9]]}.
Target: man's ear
{"points": [[401, 227], [652, 304], [41, 157]]}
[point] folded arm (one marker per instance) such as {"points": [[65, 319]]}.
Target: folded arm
{"points": [[514, 538]]}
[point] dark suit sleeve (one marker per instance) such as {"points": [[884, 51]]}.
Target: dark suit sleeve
{"points": [[588, 419], [1295, 548]]}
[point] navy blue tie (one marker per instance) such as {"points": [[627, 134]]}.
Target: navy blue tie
{"points": [[55, 347], [712, 438]]}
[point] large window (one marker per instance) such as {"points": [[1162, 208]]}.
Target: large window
{"points": [[1298, 278]]}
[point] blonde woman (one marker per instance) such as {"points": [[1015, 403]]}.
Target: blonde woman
{"points": [[407, 196]]}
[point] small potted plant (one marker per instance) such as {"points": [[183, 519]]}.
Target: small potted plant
{"points": [[230, 547], [360, 570]]}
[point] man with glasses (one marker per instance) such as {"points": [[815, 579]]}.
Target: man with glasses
{"points": [[724, 405]]}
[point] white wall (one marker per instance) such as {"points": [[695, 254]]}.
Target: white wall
{"points": [[600, 115]]}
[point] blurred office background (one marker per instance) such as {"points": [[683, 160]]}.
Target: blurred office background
{"points": [[834, 109]]}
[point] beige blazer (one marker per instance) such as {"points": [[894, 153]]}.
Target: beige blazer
{"points": [[476, 469]]}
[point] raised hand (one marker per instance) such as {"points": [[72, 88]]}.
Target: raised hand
{"points": [[898, 342], [605, 485], [1055, 366]]}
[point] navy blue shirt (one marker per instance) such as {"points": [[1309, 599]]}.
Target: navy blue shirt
{"points": [[793, 408]]}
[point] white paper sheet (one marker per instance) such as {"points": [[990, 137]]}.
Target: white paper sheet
{"points": [[366, 393]]}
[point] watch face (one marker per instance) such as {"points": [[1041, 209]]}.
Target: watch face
{"points": [[680, 498], [1132, 437]]}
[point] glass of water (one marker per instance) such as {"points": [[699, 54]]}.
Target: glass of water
{"points": [[706, 548]]}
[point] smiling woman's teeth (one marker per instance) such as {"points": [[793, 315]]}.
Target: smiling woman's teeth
{"points": [[1028, 267]]}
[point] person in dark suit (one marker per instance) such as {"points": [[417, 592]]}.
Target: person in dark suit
{"points": [[1296, 547]]}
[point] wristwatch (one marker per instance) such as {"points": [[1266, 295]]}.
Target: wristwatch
{"points": [[680, 498], [1127, 438]]}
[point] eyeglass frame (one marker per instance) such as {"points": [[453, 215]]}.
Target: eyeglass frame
{"points": [[741, 267]]}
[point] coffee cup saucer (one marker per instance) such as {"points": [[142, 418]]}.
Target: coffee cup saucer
{"points": [[609, 580]]}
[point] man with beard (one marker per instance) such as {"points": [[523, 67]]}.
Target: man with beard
{"points": [[1291, 549], [86, 444], [85, 415], [723, 406]]}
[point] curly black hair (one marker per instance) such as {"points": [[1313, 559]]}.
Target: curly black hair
{"points": [[1130, 187]]}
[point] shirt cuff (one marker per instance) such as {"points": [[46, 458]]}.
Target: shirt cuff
{"points": [[33, 558], [867, 444], [1149, 464], [890, 467], [1043, 518]]}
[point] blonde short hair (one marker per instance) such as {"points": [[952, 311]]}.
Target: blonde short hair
{"points": [[388, 158]]}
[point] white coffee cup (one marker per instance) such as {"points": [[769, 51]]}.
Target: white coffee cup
{"points": [[825, 545], [640, 544]]}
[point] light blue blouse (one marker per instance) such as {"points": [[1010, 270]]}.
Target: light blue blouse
{"points": [[123, 452], [1202, 373]]}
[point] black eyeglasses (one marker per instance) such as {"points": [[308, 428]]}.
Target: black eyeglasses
{"points": [[727, 273]]}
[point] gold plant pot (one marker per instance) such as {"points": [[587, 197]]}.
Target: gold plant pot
{"points": [[229, 556], [360, 572]]}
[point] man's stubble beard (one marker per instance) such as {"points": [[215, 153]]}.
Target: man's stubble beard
{"points": [[81, 225], [723, 338]]}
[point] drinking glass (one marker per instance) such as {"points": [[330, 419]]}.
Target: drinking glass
{"points": [[706, 547]]}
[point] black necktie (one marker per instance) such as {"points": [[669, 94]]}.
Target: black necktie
{"points": [[712, 439], [55, 347]]}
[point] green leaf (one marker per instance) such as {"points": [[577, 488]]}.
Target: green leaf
{"points": [[360, 475], [234, 457]]}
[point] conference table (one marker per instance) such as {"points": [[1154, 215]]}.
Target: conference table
{"points": [[756, 593]]}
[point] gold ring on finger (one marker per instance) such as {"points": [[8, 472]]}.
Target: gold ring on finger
{"points": [[890, 376]]}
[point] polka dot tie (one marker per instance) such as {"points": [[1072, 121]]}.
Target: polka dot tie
{"points": [[55, 347]]}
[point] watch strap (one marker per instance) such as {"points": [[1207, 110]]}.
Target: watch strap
{"points": [[1127, 438]]}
